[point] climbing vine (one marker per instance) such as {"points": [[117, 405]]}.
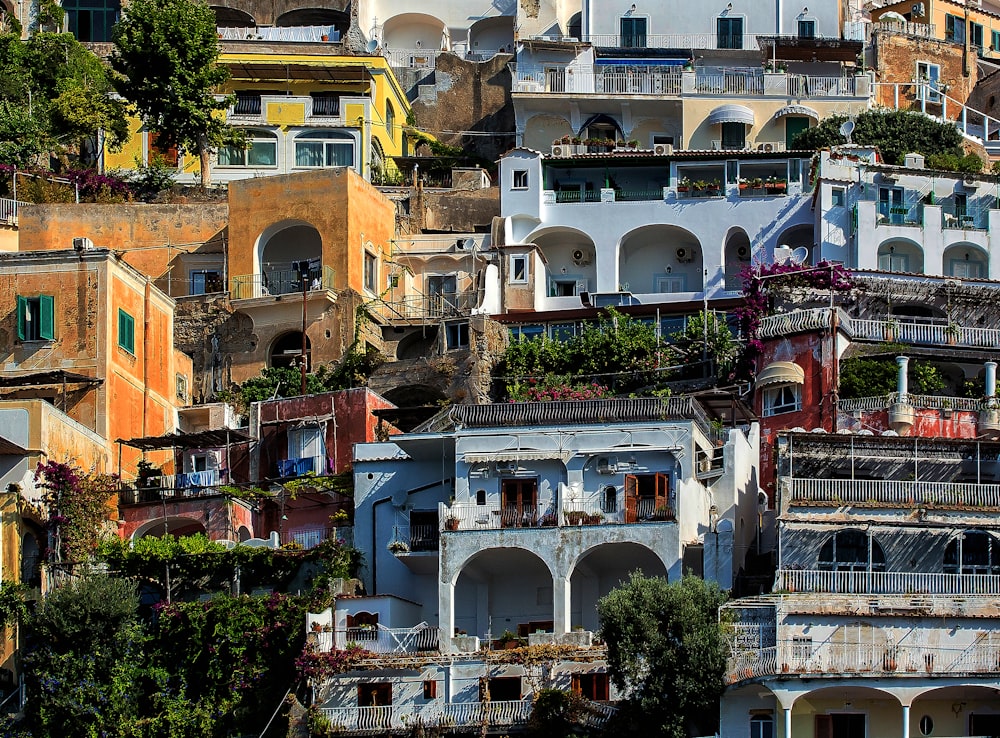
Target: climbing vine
{"points": [[78, 509]]}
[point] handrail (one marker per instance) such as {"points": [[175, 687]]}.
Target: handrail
{"points": [[886, 582], [928, 402], [892, 493]]}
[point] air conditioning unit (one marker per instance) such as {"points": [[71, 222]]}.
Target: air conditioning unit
{"points": [[743, 253], [560, 150], [506, 466], [766, 147], [663, 149], [580, 258], [917, 10], [82, 244], [607, 465], [685, 255], [462, 244], [969, 181]]}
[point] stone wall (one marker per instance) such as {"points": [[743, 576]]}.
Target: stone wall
{"points": [[896, 58]]}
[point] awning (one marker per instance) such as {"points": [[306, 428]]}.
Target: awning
{"points": [[797, 110], [202, 439], [639, 62], [781, 372], [731, 114], [518, 455], [891, 16]]}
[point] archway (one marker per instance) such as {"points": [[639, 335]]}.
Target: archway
{"points": [[800, 236], [243, 534], [846, 710], [503, 589], [315, 17], [489, 35], [602, 126], [282, 246], [570, 261], [966, 709], [737, 254], [414, 31], [542, 129], [417, 345], [414, 395], [660, 259], [900, 255], [603, 568], [574, 27], [232, 18], [965, 261], [177, 526], [972, 552], [851, 550], [286, 351]]}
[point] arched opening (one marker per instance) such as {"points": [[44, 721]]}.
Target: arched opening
{"points": [[323, 149], [490, 35], [899, 255], [281, 249], [177, 526], [972, 552], [965, 261], [232, 18], [504, 589], [660, 259], [602, 126], [603, 568], [848, 711], [799, 237], [737, 254], [414, 31], [851, 550], [417, 345], [574, 28], [966, 709], [315, 17], [414, 395], [541, 130], [286, 351], [243, 534], [570, 261]]}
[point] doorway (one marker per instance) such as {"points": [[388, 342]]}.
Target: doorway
{"points": [[519, 502], [647, 497], [794, 125], [841, 725]]}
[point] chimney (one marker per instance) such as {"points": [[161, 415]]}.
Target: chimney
{"points": [[901, 378], [991, 379]]}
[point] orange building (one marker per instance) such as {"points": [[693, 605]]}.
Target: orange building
{"points": [[93, 336]]}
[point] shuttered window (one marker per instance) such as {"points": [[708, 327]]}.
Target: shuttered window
{"points": [[126, 331], [36, 318]]}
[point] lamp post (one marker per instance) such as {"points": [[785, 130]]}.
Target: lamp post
{"points": [[303, 269]]}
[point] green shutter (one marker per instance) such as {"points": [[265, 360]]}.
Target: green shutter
{"points": [[126, 331], [46, 317], [22, 314]]}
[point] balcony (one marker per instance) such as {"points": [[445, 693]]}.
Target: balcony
{"points": [[283, 34], [8, 210], [280, 280], [594, 510], [380, 639], [605, 195], [886, 582], [321, 110], [882, 493], [454, 715], [744, 41], [302, 467], [965, 221], [927, 402], [417, 308], [651, 82], [900, 215], [865, 659], [172, 487]]}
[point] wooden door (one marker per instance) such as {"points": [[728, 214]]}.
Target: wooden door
{"points": [[631, 498], [519, 502], [661, 493], [824, 726]]}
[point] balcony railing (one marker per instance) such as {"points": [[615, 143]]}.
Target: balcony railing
{"points": [[927, 402], [293, 34], [418, 538], [971, 221], [900, 215], [430, 307], [594, 510], [172, 487], [307, 537], [432, 714], [653, 82], [412, 58], [8, 210], [886, 582], [279, 282], [800, 85], [301, 467], [797, 321], [674, 40], [888, 493], [379, 639], [791, 657]]}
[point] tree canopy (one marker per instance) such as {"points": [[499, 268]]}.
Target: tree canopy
{"points": [[895, 133], [166, 56], [666, 652]]}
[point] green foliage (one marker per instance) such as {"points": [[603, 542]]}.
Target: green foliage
{"points": [[149, 180], [12, 606], [559, 714], [970, 163], [166, 57], [712, 331], [895, 133], [666, 651], [872, 377], [81, 674], [619, 351], [78, 508]]}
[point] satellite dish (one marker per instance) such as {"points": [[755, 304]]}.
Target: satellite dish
{"points": [[372, 46], [846, 129], [799, 255]]}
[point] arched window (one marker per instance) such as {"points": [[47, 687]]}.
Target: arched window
{"points": [[324, 149], [390, 120], [261, 151], [972, 552], [848, 550]]}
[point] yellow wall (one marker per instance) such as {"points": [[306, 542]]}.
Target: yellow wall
{"points": [[936, 10]]}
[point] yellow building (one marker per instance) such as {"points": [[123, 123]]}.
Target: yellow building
{"points": [[975, 25], [301, 111]]}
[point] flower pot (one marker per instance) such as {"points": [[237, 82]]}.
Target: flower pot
{"points": [[324, 37]]}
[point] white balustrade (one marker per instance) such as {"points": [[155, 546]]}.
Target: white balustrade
{"points": [[379, 639], [889, 493], [668, 40], [927, 402], [886, 582], [8, 209], [452, 715], [796, 321]]}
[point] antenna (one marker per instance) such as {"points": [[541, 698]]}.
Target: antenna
{"points": [[799, 255], [372, 46], [846, 129]]}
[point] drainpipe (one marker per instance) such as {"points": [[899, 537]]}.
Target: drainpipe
{"points": [[991, 379], [901, 378]]}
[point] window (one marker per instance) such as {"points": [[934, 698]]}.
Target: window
{"points": [[378, 694], [371, 272], [325, 104], [730, 33], [762, 726], [633, 34], [672, 284], [851, 550], [647, 497], [204, 281], [91, 20], [972, 552], [519, 269], [36, 318], [480, 496], [324, 149], [976, 34], [261, 151], [457, 335], [807, 29], [965, 269], [995, 43], [182, 387], [562, 331], [126, 331], [954, 28], [520, 181], [734, 135], [390, 120], [306, 452], [784, 399], [592, 686], [518, 503], [838, 197], [430, 689], [526, 332]]}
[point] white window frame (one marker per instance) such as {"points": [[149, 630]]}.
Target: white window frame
{"points": [[328, 142], [933, 73], [519, 179], [524, 269], [371, 272], [834, 193], [254, 138], [776, 403], [670, 284]]}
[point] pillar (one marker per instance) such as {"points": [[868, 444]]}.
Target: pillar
{"points": [[901, 377], [561, 613], [906, 721], [446, 615], [788, 722], [991, 379]]}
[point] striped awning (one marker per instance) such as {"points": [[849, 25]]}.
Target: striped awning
{"points": [[781, 372], [731, 114], [797, 110]]}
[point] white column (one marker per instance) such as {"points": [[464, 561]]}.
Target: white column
{"points": [[906, 721], [991, 378], [560, 605], [446, 615], [902, 378], [788, 722]]}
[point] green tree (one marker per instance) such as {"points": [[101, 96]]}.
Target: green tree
{"points": [[895, 133], [872, 377], [666, 652], [166, 55]]}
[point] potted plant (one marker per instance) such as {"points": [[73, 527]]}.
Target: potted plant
{"points": [[891, 329], [684, 185], [575, 517], [398, 547], [633, 144], [714, 187], [952, 332], [451, 523], [774, 185], [548, 520], [565, 140], [593, 519]]}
